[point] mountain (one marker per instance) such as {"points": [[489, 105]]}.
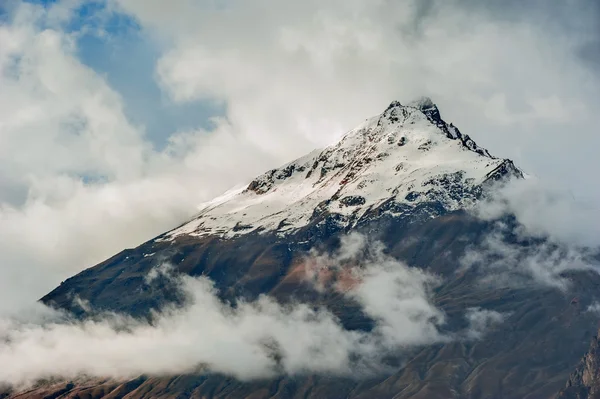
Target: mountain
{"points": [[584, 382], [405, 178]]}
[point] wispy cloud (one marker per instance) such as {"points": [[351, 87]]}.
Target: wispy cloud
{"points": [[538, 235]]}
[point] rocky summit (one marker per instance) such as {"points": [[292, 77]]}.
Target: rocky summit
{"points": [[400, 159]]}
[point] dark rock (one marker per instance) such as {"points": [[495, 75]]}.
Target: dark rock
{"points": [[584, 382], [352, 200]]}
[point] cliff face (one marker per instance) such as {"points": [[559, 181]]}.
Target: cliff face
{"points": [[584, 382]]}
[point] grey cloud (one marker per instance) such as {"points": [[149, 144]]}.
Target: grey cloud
{"points": [[501, 262], [574, 18], [541, 233], [590, 52], [481, 320]]}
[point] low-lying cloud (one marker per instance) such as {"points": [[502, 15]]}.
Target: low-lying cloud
{"points": [[251, 340], [539, 234], [480, 320], [545, 210]]}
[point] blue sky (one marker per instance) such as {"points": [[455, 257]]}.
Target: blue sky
{"points": [[126, 58], [127, 61]]}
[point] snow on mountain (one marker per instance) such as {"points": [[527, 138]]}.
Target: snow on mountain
{"points": [[408, 155]]}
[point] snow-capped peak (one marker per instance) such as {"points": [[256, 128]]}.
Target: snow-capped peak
{"points": [[407, 155]]}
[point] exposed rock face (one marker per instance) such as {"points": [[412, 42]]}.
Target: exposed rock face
{"points": [[584, 382]]}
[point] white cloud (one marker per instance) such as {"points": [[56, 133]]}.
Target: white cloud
{"points": [[78, 182], [251, 340], [546, 210], [313, 69], [594, 307], [207, 334], [552, 234], [481, 320], [58, 116], [503, 261], [396, 296]]}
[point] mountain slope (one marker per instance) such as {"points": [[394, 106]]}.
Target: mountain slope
{"points": [[404, 178]]}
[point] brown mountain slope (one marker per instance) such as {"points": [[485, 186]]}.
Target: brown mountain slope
{"points": [[530, 355]]}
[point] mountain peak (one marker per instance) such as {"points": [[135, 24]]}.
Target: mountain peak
{"points": [[424, 111], [394, 104], [399, 159], [428, 107], [422, 103]]}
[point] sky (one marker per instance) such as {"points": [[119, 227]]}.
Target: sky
{"points": [[118, 117]]}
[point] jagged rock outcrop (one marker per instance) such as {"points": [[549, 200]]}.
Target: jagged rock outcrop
{"points": [[584, 382]]}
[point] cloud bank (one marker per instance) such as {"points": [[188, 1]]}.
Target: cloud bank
{"points": [[251, 340]]}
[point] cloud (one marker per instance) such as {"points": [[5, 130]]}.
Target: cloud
{"points": [[545, 209], [313, 69], [501, 260], [251, 340], [539, 234], [79, 181], [207, 335], [396, 296], [594, 307], [481, 320]]}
